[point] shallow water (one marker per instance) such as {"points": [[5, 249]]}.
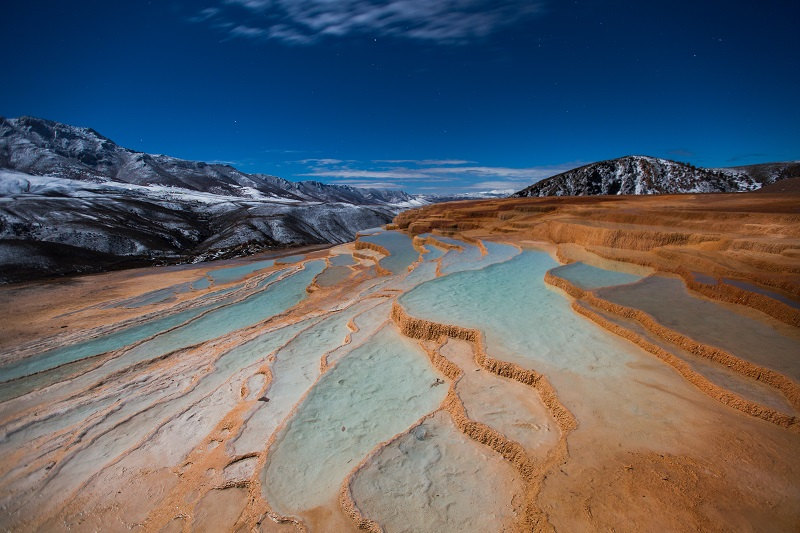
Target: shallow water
{"points": [[588, 277], [761, 290], [290, 259], [471, 258], [670, 303], [237, 273], [333, 275], [448, 240], [716, 373], [202, 283], [400, 247], [508, 406], [296, 367], [23, 385], [119, 339], [368, 323], [436, 479], [106, 343], [523, 320], [143, 407], [120, 441], [342, 260], [704, 278], [258, 307], [157, 296], [377, 391], [433, 252]]}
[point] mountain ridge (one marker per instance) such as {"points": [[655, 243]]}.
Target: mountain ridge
{"points": [[638, 174], [44, 147], [72, 200]]}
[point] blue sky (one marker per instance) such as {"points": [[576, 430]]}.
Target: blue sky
{"points": [[424, 95]]}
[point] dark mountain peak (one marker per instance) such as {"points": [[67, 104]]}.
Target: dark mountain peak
{"points": [[641, 174]]}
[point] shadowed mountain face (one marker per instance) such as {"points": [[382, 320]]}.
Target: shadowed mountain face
{"points": [[43, 147], [649, 175], [72, 200]]}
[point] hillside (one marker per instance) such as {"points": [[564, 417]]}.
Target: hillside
{"points": [[72, 200], [650, 175]]}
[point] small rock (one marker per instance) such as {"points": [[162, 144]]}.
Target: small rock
{"points": [[263, 399]]}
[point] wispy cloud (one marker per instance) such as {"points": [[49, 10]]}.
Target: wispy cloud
{"points": [[413, 174], [371, 184], [241, 30], [367, 174], [425, 161], [496, 185], [316, 161], [205, 14], [302, 22], [506, 172], [229, 162]]}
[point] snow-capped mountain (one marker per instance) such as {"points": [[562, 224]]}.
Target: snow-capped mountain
{"points": [[650, 175], [72, 200], [46, 148]]}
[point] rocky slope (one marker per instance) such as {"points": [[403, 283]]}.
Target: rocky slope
{"points": [[650, 175], [71, 200]]}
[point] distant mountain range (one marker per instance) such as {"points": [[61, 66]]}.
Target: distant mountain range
{"points": [[650, 175], [71, 200], [46, 148]]}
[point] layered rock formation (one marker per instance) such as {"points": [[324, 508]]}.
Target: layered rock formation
{"points": [[438, 381]]}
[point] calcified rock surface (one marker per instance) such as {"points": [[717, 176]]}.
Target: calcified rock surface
{"points": [[517, 365]]}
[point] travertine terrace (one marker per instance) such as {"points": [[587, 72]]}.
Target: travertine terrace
{"points": [[569, 364]]}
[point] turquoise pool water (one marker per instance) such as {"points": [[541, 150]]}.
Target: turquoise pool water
{"points": [[260, 306], [399, 245], [523, 320], [588, 277], [114, 341], [257, 307], [375, 392], [342, 260], [668, 301], [231, 274]]}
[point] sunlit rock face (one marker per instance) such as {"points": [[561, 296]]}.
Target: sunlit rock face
{"points": [[509, 365]]}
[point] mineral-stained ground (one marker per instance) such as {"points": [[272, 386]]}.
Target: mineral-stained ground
{"points": [[571, 364]]}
